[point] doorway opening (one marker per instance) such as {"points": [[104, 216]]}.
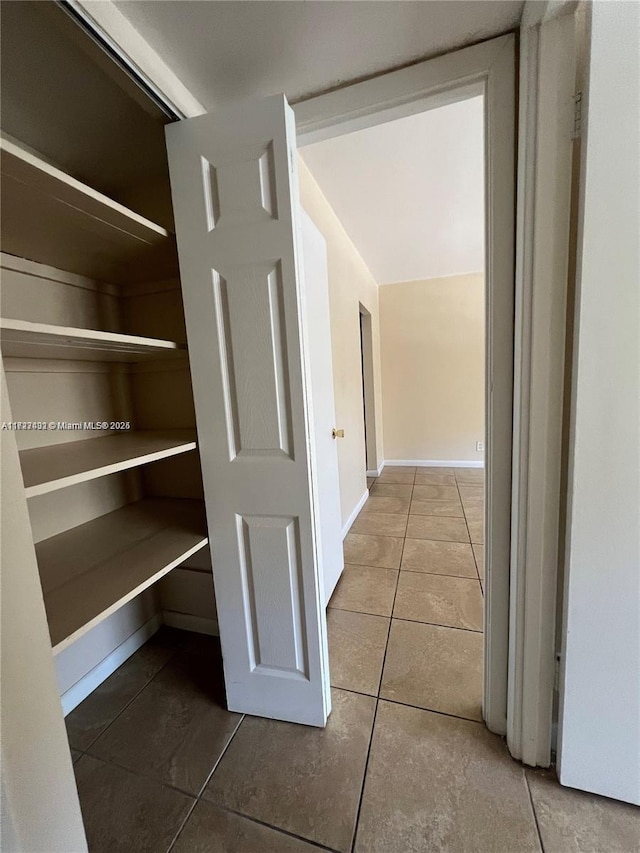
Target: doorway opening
{"points": [[410, 196], [368, 392], [487, 70]]}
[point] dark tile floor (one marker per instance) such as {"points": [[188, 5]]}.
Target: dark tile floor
{"points": [[403, 766]]}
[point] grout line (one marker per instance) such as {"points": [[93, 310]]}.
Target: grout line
{"points": [[182, 826], [472, 549], [220, 757], [426, 515], [133, 698], [375, 713], [434, 711], [438, 624], [145, 776], [442, 574], [533, 810], [393, 605], [478, 571], [362, 612], [278, 829], [356, 823], [414, 707]]}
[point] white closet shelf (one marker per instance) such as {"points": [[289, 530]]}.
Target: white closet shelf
{"points": [[51, 217], [23, 339], [45, 469], [90, 571]]}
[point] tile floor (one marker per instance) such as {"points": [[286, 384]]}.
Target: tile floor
{"points": [[403, 766]]}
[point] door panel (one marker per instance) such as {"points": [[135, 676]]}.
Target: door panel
{"points": [[316, 290], [599, 715], [235, 196]]}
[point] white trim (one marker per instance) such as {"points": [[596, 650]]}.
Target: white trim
{"points": [[487, 68], [115, 30], [376, 473], [547, 84], [347, 526], [72, 697], [188, 622], [435, 463], [540, 11], [446, 79]]}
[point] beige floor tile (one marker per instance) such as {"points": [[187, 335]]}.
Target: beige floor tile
{"points": [[478, 553], [356, 649], [370, 481], [391, 490], [435, 477], [213, 830], [91, 717], [363, 549], [365, 589], [474, 510], [123, 812], [435, 668], [476, 531], [469, 476], [435, 493], [401, 475], [443, 529], [376, 504], [380, 523], [439, 558], [439, 785], [573, 821], [439, 508], [455, 602], [399, 469], [299, 778], [471, 493], [177, 728]]}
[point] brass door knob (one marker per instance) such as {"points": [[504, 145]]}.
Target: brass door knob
{"points": [[337, 433]]}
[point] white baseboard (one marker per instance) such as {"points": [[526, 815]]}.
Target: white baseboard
{"points": [[375, 473], [354, 514], [436, 463], [94, 678], [187, 622]]}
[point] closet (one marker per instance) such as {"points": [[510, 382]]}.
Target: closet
{"points": [[94, 351]]}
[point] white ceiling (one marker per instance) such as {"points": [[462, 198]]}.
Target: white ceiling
{"points": [[227, 51], [410, 193]]}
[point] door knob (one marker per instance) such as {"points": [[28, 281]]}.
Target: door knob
{"points": [[337, 433]]}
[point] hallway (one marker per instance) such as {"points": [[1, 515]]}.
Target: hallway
{"points": [[404, 763], [411, 596]]}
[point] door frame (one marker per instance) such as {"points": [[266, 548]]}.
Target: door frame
{"points": [[487, 69], [547, 145], [535, 504]]}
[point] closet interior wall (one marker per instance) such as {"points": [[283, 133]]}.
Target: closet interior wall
{"points": [[117, 514]]}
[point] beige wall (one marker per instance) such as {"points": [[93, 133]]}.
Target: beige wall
{"points": [[350, 284], [432, 353]]}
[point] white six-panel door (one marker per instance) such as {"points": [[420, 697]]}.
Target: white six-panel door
{"points": [[235, 197]]}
